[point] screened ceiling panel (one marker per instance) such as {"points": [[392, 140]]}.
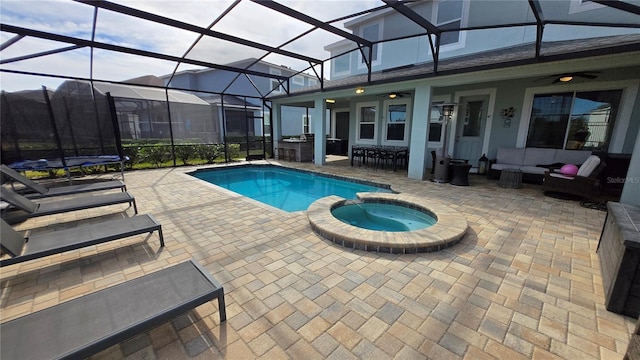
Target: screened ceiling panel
{"points": [[200, 13], [582, 11], [19, 82], [56, 17], [219, 51], [28, 46], [115, 66], [555, 33], [137, 38], [493, 13], [307, 44], [247, 21], [72, 63], [116, 29], [236, 88], [330, 10], [295, 65]]}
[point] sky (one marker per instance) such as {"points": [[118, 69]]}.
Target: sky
{"points": [[246, 20]]}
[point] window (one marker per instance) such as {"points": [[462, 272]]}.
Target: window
{"points": [[298, 80], [367, 115], [313, 82], [372, 32], [396, 117], [573, 120], [306, 124], [276, 86], [342, 64], [266, 124], [449, 16]]}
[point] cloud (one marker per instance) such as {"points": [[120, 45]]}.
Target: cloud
{"points": [[247, 20]]}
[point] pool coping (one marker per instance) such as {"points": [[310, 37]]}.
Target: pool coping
{"points": [[449, 228]]}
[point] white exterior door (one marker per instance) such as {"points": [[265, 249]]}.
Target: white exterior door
{"points": [[471, 122]]}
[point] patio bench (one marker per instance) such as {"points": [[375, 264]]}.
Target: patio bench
{"points": [[91, 323]]}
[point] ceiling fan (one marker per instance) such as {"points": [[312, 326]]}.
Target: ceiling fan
{"points": [[396, 94], [566, 77]]}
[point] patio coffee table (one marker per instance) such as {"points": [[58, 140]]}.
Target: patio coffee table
{"points": [[510, 178]]}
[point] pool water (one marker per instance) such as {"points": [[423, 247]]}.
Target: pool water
{"points": [[383, 217], [285, 189]]}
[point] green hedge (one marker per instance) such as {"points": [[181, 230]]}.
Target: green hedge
{"points": [[147, 154]]}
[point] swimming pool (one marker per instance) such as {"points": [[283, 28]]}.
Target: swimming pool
{"points": [[286, 189]]}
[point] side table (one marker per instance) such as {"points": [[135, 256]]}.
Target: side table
{"points": [[510, 178], [460, 174]]}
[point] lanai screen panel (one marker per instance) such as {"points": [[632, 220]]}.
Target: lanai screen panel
{"points": [[27, 130], [83, 120]]}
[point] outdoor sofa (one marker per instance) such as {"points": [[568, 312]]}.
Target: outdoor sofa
{"points": [[533, 162], [37, 246], [28, 209], [40, 191], [81, 327]]}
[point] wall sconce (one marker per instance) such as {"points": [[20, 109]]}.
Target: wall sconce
{"points": [[447, 110], [507, 114], [330, 101], [359, 90]]}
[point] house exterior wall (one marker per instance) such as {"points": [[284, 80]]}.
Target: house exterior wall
{"points": [[474, 13]]}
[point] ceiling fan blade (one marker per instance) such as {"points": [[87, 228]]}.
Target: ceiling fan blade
{"points": [[587, 76]]}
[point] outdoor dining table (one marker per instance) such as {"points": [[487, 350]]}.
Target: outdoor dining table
{"points": [[394, 151]]}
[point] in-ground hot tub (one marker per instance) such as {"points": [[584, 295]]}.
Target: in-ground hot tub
{"points": [[382, 216], [449, 227]]}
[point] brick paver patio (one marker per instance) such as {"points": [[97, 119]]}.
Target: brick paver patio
{"points": [[524, 283]]}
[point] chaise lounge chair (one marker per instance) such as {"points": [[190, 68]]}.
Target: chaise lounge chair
{"points": [[41, 245], [91, 323], [32, 209], [41, 191]]}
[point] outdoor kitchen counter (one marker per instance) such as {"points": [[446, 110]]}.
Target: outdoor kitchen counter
{"points": [[303, 149]]}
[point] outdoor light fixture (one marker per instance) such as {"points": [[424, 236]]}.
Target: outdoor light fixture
{"points": [[393, 95], [447, 110], [330, 101], [359, 90], [441, 168], [566, 78]]}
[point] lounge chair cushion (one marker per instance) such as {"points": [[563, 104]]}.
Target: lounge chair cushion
{"points": [[561, 176], [587, 168], [536, 156], [511, 156], [83, 326], [51, 207], [55, 242], [41, 191]]}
